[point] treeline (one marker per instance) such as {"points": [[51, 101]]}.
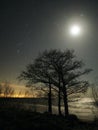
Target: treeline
{"points": [[7, 90]]}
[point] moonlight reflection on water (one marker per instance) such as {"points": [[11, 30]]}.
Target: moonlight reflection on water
{"points": [[84, 108]]}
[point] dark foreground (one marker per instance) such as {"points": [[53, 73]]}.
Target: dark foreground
{"points": [[14, 116], [16, 119]]}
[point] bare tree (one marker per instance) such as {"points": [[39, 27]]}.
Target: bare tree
{"points": [[27, 93], [19, 93], [8, 91], [38, 72], [95, 94], [94, 90], [60, 71]]}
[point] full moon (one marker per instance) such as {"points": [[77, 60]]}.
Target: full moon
{"points": [[75, 30]]}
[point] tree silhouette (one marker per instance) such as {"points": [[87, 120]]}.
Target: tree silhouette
{"points": [[27, 93], [38, 72], [95, 95], [7, 90], [59, 70]]}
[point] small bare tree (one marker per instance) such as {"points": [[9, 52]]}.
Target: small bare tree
{"points": [[19, 93], [95, 95], [27, 93], [8, 91]]}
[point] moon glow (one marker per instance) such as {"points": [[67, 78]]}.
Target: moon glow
{"points": [[75, 30]]}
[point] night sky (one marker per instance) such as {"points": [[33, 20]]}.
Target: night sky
{"points": [[27, 27]]}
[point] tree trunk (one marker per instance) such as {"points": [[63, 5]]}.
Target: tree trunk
{"points": [[59, 102], [49, 99], [59, 98], [66, 111]]}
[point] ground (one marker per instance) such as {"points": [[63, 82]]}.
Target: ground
{"points": [[15, 117]]}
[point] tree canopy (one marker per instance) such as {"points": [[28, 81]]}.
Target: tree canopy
{"points": [[59, 70]]}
